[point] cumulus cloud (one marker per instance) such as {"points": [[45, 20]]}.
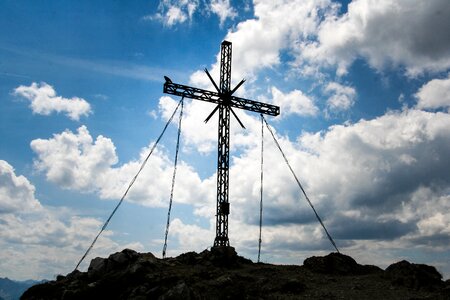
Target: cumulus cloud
{"points": [[411, 34], [195, 132], [342, 97], [71, 159], [380, 182], [203, 137], [16, 192], [365, 174], [40, 241], [294, 102], [387, 33], [257, 42], [377, 164], [75, 161], [434, 94], [355, 173], [190, 237], [44, 101], [388, 176]]}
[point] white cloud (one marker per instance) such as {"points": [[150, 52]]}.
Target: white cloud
{"points": [[40, 241], [365, 179], [203, 137], [364, 164], [294, 102], [434, 94], [75, 161], [364, 173], [407, 33], [44, 101], [172, 12], [174, 15], [342, 97], [190, 237], [257, 42], [223, 10], [16, 192]]}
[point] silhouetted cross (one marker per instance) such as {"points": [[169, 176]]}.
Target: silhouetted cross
{"points": [[225, 101]]}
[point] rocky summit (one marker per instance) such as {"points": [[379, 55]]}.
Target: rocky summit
{"points": [[222, 274]]}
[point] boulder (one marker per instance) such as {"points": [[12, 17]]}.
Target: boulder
{"points": [[97, 265], [124, 257], [333, 264], [416, 276], [116, 261]]}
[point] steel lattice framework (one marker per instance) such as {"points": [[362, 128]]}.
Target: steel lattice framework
{"points": [[225, 101]]}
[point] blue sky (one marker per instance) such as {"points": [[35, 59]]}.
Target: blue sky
{"points": [[364, 92]]}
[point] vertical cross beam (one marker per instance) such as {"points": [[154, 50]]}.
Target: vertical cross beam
{"points": [[223, 148]]}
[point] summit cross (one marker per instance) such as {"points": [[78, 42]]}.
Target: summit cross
{"points": [[223, 97]]}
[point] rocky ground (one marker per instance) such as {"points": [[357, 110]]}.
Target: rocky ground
{"points": [[222, 274]]}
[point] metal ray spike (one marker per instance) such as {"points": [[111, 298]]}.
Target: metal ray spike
{"points": [[237, 86], [211, 114], [239, 121], [212, 80]]}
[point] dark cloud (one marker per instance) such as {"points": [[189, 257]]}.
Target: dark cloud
{"points": [[306, 245], [435, 240], [432, 41], [391, 188], [411, 33], [360, 229], [284, 216]]}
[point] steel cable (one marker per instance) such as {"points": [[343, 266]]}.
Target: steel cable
{"points": [[261, 188], [129, 186], [173, 180], [301, 187]]}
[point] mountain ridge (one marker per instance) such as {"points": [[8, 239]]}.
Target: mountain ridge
{"points": [[13, 289], [222, 274]]}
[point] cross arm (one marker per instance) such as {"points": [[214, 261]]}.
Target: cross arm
{"points": [[255, 106], [190, 92], [213, 97]]}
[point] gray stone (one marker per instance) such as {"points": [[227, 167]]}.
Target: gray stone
{"points": [[97, 265], [180, 291]]}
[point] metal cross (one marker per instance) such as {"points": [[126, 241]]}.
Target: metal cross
{"points": [[225, 101]]}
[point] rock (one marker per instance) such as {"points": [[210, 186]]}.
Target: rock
{"points": [[416, 276], [75, 274], [97, 266], [59, 277], [189, 258], [369, 269], [118, 260], [123, 257], [223, 256], [333, 264], [180, 291], [222, 274]]}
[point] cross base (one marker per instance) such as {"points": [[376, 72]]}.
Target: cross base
{"points": [[224, 255]]}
